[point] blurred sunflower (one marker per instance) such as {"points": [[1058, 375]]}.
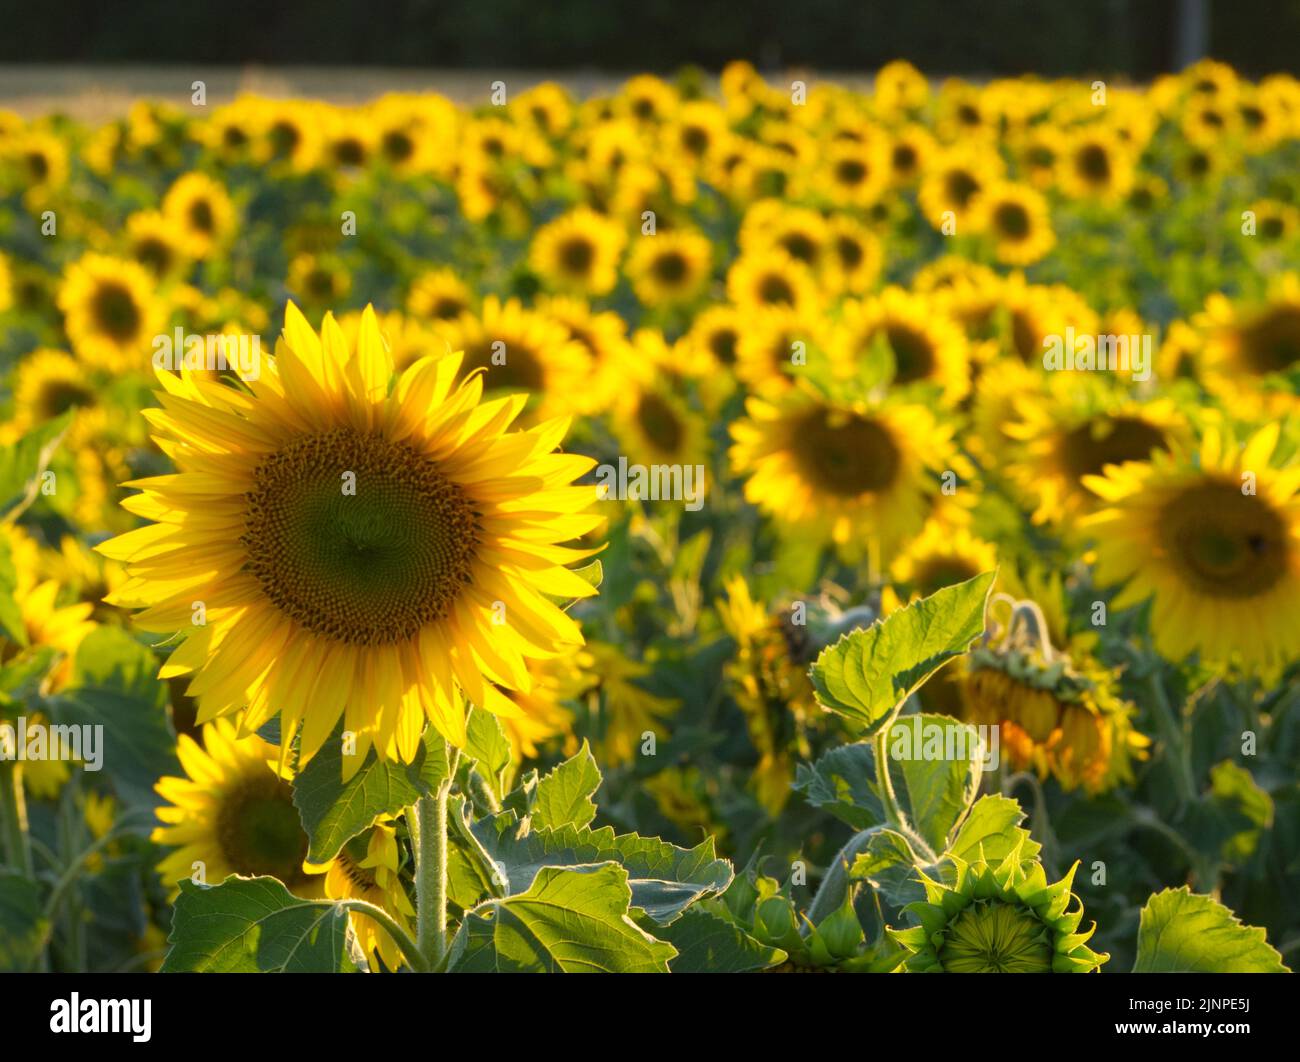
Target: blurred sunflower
{"points": [[111, 312], [578, 252], [201, 209], [438, 295], [1015, 217], [292, 517], [157, 243], [671, 268], [1212, 537]]}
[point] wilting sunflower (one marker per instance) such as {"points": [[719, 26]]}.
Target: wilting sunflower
{"points": [[354, 544], [769, 680], [367, 868], [926, 345], [110, 312], [521, 350], [855, 475], [1213, 539], [998, 919], [202, 210], [1058, 712], [233, 813], [670, 268], [1015, 217], [578, 252]]}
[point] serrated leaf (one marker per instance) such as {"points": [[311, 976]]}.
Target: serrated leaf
{"points": [[571, 920], [934, 762], [486, 742], [254, 925], [564, 796], [868, 674], [334, 811], [709, 943], [22, 922], [114, 685], [1183, 932], [992, 831], [664, 879], [887, 863]]}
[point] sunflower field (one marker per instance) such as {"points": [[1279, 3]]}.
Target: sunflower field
{"points": [[714, 525]]}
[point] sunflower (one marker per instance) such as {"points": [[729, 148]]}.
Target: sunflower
{"points": [[353, 544], [157, 243], [926, 345], [1016, 218], [110, 312], [854, 475], [547, 107], [289, 133], [697, 131], [367, 868], [1212, 538], [1065, 434], [1059, 711], [628, 712], [943, 554], [1275, 222], [438, 295], [319, 279], [1252, 351], [769, 345], [42, 160], [203, 212], [541, 714], [1095, 165], [954, 179], [770, 278], [520, 350], [854, 257], [233, 813], [654, 425], [578, 252], [899, 88], [670, 268], [909, 154], [998, 919], [768, 678], [602, 335], [715, 334], [850, 174]]}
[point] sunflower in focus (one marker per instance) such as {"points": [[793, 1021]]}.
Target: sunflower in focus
{"points": [[1212, 538], [111, 313], [862, 477], [233, 813], [353, 542], [578, 252], [202, 211]]}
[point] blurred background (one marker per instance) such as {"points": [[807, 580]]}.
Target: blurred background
{"points": [[1134, 38]]}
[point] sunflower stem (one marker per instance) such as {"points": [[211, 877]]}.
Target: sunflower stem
{"points": [[409, 948], [430, 838], [13, 812], [893, 813]]}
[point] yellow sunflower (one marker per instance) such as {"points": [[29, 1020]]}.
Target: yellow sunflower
{"points": [[1251, 351], [157, 243], [578, 252], [319, 280], [854, 475], [1095, 165], [438, 295], [202, 210], [233, 813], [1212, 538], [771, 278], [670, 268], [1016, 218], [110, 312], [361, 550]]}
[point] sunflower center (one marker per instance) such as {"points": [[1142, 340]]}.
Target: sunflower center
{"points": [[58, 396], [577, 256], [1227, 544], [996, 938], [961, 187], [1094, 163], [723, 345], [660, 422], [670, 268], [358, 539], [801, 246], [845, 454], [259, 830], [1089, 448], [850, 171], [518, 369], [1272, 343], [38, 166], [775, 290], [1011, 220], [850, 252], [913, 353], [201, 216], [116, 311], [398, 147], [155, 254]]}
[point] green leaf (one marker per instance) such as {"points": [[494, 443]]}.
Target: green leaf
{"points": [[22, 464], [935, 763], [843, 782], [114, 684], [486, 743], [868, 674], [706, 942], [254, 925], [1241, 799], [664, 879], [334, 811], [888, 864], [11, 616], [564, 795], [992, 832], [1182, 932], [22, 922], [572, 920]]}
